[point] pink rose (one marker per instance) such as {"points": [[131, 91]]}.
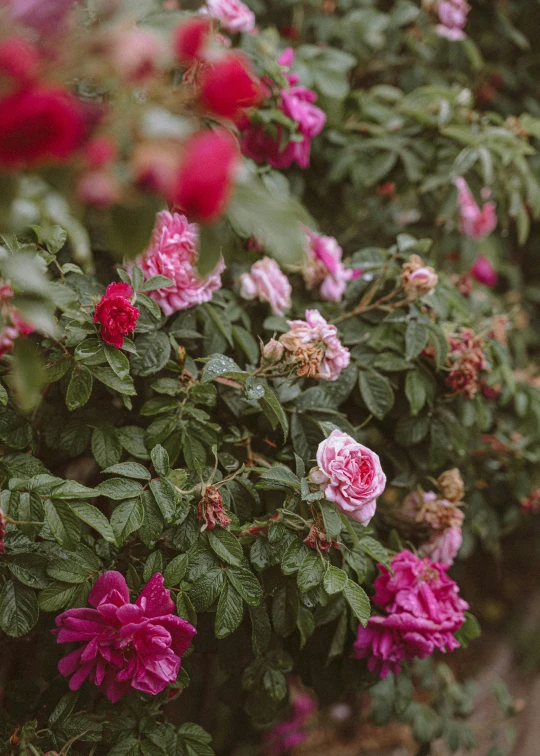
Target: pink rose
{"points": [[234, 15], [173, 252], [268, 283], [443, 545], [124, 645], [323, 266], [475, 222], [483, 271], [315, 342], [453, 19], [353, 476], [117, 316]]}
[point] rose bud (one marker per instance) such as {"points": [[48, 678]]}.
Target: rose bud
{"points": [[229, 86], [484, 272], [273, 351]]}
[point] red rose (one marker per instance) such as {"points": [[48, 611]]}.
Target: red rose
{"points": [[229, 86], [19, 59], [39, 124], [191, 40], [116, 314], [206, 178]]}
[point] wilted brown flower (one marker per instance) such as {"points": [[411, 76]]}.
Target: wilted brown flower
{"points": [[451, 485], [211, 510]]}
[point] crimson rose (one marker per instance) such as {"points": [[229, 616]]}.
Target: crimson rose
{"points": [[116, 314]]}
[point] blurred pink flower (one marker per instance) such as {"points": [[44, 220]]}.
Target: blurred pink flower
{"points": [[452, 19], [124, 645], [323, 266], [291, 732], [296, 103], [443, 545], [46, 16], [317, 335], [234, 15], [173, 252], [422, 611], [475, 222], [483, 271], [267, 282]]}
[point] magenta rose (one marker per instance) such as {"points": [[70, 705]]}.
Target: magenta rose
{"points": [[124, 645], [116, 314], [350, 475]]}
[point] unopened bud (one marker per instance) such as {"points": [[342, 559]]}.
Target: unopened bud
{"points": [[273, 351]]}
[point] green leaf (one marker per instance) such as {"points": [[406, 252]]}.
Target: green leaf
{"points": [[376, 550], [127, 518], [119, 488], [281, 475], [154, 351], [95, 518], [107, 376], [311, 572], [220, 321], [129, 470], [157, 282], [56, 596], [416, 337], [335, 580], [358, 601], [207, 588], [229, 612], [246, 584], [68, 571], [19, 610], [153, 564], [15, 430], [332, 521], [29, 569], [106, 446], [63, 523], [293, 557], [377, 392], [415, 391], [185, 608], [132, 439], [152, 307], [217, 365], [261, 630], [165, 495], [80, 387], [275, 684], [175, 570], [470, 630], [226, 546], [118, 361], [160, 460], [273, 410]]}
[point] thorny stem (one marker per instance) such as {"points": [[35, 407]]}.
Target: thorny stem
{"points": [[378, 304]]}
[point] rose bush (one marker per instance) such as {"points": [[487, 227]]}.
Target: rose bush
{"points": [[267, 367]]}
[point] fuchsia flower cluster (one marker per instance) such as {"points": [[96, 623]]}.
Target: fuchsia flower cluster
{"points": [[323, 266], [475, 222], [296, 102], [173, 252], [14, 325], [350, 475], [291, 731], [124, 645], [420, 611]]}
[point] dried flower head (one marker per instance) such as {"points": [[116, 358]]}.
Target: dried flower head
{"points": [[451, 485], [211, 510]]}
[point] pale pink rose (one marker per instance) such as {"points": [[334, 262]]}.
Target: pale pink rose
{"points": [[234, 15], [267, 282], [453, 19], [315, 332], [173, 252], [46, 16], [475, 222], [323, 266], [353, 476], [135, 53], [443, 545]]}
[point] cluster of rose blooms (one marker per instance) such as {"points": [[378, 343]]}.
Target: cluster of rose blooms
{"points": [[42, 122], [442, 515], [466, 360]]}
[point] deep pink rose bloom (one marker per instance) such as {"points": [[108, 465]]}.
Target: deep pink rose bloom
{"points": [[292, 731], [484, 272], [173, 252], [475, 222], [296, 102], [316, 332], [124, 645], [350, 475], [421, 612], [323, 266], [452, 19], [267, 282], [46, 16], [234, 15], [117, 316]]}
